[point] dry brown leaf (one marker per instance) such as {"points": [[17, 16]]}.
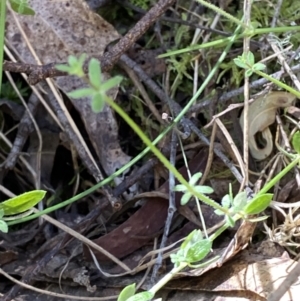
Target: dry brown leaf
{"points": [[262, 114], [247, 272], [62, 28]]}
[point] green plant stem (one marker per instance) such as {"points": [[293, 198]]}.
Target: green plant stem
{"points": [[219, 231], [220, 11], [162, 158], [162, 282], [2, 32], [273, 181], [278, 83], [209, 77], [224, 41]]}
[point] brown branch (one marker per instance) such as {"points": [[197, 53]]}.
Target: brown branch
{"points": [[37, 73]]}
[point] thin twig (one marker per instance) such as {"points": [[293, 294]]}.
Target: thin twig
{"points": [[171, 210], [247, 21]]}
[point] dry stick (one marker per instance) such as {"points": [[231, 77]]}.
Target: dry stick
{"points": [[210, 154], [247, 21], [25, 128], [111, 57], [171, 210]]}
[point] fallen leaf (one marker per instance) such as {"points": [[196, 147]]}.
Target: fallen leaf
{"points": [[262, 114]]}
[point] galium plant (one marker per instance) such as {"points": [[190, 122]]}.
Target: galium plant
{"points": [[195, 247]]}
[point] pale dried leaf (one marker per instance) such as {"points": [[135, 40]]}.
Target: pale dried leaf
{"points": [[262, 114], [61, 28]]}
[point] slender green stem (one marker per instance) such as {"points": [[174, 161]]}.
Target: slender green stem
{"points": [[278, 83], [210, 75], [274, 180], [218, 232], [2, 32], [220, 11], [224, 41], [162, 282], [161, 157]]}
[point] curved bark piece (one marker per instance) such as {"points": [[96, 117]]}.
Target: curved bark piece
{"points": [[145, 223], [262, 114]]}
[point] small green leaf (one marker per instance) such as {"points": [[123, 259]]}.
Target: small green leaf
{"points": [[95, 76], [98, 103], [195, 178], [248, 72], [194, 236], [111, 83], [62, 67], [250, 58], [180, 187], [143, 296], [204, 189], [198, 251], [226, 201], [127, 292], [255, 24], [84, 92], [72, 60], [296, 142], [82, 59], [3, 226], [1, 213], [258, 204], [239, 202], [258, 67], [219, 212], [240, 63], [21, 7], [244, 57], [76, 65], [177, 258], [229, 221], [185, 198], [22, 202]]}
